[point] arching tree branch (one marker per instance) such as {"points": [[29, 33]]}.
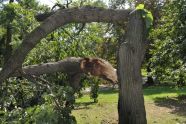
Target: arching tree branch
{"points": [[58, 19]]}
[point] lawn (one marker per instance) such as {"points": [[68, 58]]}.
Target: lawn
{"points": [[164, 105]]}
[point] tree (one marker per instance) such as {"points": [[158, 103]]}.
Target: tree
{"points": [[131, 51], [168, 50]]}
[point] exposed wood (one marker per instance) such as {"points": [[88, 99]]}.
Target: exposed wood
{"points": [[131, 53], [58, 19]]}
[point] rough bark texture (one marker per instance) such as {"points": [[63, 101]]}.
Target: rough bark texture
{"points": [[58, 19], [74, 67], [131, 53], [70, 66]]}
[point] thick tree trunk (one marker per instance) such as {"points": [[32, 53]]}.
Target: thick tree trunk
{"points": [[131, 53], [58, 19]]}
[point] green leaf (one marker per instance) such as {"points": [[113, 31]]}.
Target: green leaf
{"points": [[147, 15], [148, 19], [140, 6]]}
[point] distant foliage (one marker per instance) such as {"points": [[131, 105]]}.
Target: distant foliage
{"points": [[168, 48]]}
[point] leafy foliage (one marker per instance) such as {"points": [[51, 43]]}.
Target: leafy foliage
{"points": [[147, 15], [94, 89], [168, 61], [31, 105]]}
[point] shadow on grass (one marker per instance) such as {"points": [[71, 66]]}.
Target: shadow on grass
{"points": [[152, 90], [108, 91], [83, 105], [176, 104], [86, 105], [164, 90]]}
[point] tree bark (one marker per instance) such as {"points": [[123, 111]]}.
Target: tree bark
{"points": [[58, 19], [131, 53], [74, 67], [69, 65]]}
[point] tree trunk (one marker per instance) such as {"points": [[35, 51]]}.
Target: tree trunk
{"points": [[131, 54]]}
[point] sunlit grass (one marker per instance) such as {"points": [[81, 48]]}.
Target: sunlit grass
{"points": [[105, 111], [163, 91]]}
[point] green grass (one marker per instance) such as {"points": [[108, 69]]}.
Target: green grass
{"points": [[163, 91], [163, 106], [95, 113]]}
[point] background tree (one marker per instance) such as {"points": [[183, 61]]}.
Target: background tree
{"points": [[168, 53]]}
